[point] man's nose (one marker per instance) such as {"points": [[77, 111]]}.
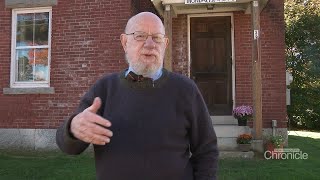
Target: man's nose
{"points": [[149, 43]]}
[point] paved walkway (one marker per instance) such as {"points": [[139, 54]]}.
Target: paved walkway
{"points": [[314, 135]]}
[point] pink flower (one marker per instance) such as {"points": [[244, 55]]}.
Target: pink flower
{"points": [[242, 111]]}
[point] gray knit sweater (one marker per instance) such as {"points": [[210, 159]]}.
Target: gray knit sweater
{"points": [[161, 130]]}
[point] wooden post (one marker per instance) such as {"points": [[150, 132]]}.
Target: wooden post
{"points": [[168, 28], [256, 71]]}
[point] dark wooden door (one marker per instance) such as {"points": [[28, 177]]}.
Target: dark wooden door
{"points": [[211, 62]]}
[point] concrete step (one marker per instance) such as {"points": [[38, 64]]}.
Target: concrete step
{"points": [[227, 131], [236, 154], [230, 130], [227, 144], [225, 120], [227, 135]]}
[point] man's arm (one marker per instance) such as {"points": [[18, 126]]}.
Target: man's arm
{"points": [[67, 142], [203, 145], [85, 126]]}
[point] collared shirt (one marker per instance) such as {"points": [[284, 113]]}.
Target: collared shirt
{"points": [[154, 77]]}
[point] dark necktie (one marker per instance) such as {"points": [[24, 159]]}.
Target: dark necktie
{"points": [[137, 78]]}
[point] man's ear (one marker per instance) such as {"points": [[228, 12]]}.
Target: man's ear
{"points": [[167, 42], [123, 39]]}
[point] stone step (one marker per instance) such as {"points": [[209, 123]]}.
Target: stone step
{"points": [[230, 131], [229, 144], [225, 120], [227, 135], [236, 154]]}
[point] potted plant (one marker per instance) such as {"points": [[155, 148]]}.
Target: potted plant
{"points": [[274, 142], [243, 114], [244, 142]]}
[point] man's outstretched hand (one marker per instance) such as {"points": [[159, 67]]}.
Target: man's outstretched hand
{"points": [[90, 127]]}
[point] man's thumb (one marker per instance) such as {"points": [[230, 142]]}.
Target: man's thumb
{"points": [[95, 105]]}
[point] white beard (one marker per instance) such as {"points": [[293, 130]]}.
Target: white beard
{"points": [[141, 68]]}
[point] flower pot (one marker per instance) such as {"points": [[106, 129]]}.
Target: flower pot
{"points": [[244, 147], [242, 121], [271, 153]]}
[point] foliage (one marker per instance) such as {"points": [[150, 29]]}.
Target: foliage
{"points": [[25, 69], [38, 56], [242, 112], [244, 139], [302, 19], [276, 140]]}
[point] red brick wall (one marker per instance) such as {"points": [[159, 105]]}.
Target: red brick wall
{"points": [[272, 54], [142, 5], [13, 109], [180, 44], [273, 62], [85, 45], [243, 61], [243, 51]]}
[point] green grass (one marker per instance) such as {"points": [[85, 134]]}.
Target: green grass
{"points": [[49, 166], [261, 169], [52, 166]]}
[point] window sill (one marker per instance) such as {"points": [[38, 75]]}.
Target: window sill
{"points": [[40, 90], [29, 4]]}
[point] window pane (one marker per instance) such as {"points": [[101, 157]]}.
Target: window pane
{"points": [[41, 64], [41, 73], [41, 28], [25, 29], [41, 56], [25, 67]]}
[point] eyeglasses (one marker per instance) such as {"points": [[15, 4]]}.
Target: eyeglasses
{"points": [[143, 36]]}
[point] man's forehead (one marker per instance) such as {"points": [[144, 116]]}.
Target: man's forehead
{"points": [[145, 22], [148, 27]]}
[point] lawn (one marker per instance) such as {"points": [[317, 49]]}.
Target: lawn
{"points": [[260, 168], [58, 166], [49, 166]]}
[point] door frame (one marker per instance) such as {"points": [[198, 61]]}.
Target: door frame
{"points": [[232, 47]]}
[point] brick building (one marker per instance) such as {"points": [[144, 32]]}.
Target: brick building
{"points": [[51, 52]]}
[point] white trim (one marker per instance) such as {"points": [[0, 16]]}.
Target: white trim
{"points": [[28, 47], [14, 64], [232, 46]]}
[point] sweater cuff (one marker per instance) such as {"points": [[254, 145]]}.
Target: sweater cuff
{"points": [[68, 136]]}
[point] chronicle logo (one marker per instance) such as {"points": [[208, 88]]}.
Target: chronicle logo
{"points": [[285, 153]]}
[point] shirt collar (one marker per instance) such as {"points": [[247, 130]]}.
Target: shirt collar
{"points": [[154, 77]]}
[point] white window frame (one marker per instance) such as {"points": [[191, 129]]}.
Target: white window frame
{"points": [[14, 64]]}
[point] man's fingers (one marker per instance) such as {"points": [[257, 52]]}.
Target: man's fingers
{"points": [[97, 129], [95, 138], [95, 105], [90, 127], [100, 121], [91, 132], [94, 109], [94, 117]]}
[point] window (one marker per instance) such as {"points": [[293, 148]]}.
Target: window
{"points": [[31, 47]]}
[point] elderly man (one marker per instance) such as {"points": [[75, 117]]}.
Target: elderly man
{"points": [[145, 123]]}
